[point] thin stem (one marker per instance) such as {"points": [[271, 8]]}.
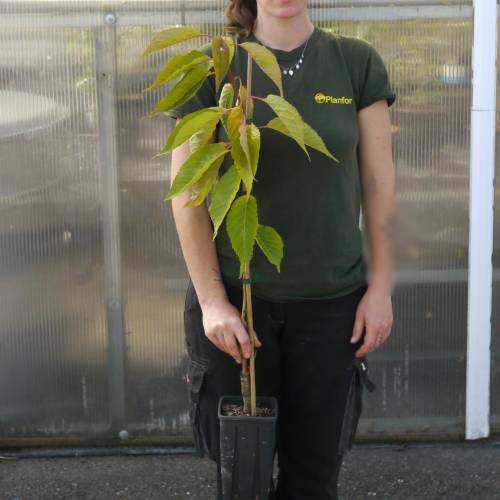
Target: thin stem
{"points": [[246, 273], [259, 98], [249, 85]]}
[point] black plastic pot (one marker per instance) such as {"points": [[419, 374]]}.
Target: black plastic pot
{"points": [[247, 446]]}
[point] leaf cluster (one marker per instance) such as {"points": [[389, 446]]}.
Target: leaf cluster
{"points": [[200, 171]]}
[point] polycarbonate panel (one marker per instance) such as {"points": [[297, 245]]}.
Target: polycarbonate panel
{"points": [[94, 322], [52, 319], [154, 273], [420, 370], [495, 308]]}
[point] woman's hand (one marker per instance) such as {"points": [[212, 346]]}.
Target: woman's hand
{"points": [[374, 315], [225, 329]]}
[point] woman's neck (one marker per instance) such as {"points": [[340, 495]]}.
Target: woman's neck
{"points": [[283, 34]]}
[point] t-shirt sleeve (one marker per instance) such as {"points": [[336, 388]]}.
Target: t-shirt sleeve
{"points": [[204, 97], [373, 82]]}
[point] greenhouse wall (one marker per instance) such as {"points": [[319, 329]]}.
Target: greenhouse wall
{"points": [[92, 278]]}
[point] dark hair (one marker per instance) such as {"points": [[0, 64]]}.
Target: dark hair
{"points": [[240, 16]]}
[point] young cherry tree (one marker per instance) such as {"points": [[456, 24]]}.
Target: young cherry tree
{"points": [[199, 172]]}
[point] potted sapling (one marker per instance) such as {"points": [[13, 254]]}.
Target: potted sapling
{"points": [[247, 421]]}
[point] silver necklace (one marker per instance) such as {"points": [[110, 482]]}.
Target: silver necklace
{"points": [[295, 65]]}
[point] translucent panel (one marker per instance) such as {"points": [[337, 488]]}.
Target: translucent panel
{"points": [[421, 369], [154, 272], [52, 318], [92, 277]]}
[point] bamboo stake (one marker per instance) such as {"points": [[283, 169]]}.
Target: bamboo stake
{"points": [[244, 376], [246, 273], [248, 294]]}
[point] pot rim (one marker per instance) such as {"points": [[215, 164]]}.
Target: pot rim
{"points": [[269, 400]]}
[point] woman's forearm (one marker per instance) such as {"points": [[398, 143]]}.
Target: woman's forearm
{"points": [[378, 182], [195, 235], [378, 213]]}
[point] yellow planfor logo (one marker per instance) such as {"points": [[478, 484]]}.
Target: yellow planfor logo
{"points": [[321, 98]]}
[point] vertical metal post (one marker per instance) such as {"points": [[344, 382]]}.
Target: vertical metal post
{"points": [[105, 56], [482, 168]]}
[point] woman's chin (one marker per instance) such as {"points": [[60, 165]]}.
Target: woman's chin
{"points": [[287, 10]]}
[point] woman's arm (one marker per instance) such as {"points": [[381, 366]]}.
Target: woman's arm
{"points": [[222, 321], [378, 185], [379, 209], [195, 236]]}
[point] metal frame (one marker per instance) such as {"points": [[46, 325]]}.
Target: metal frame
{"points": [[481, 192], [93, 12], [105, 62]]}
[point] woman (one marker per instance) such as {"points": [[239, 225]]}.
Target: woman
{"points": [[322, 313]]}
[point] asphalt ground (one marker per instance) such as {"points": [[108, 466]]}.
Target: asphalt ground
{"points": [[415, 471]]}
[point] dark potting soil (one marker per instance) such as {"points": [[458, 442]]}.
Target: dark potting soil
{"points": [[233, 410]]}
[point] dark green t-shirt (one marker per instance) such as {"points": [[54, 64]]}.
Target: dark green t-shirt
{"points": [[314, 206]]}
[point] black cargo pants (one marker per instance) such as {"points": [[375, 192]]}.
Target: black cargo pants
{"points": [[308, 363]]}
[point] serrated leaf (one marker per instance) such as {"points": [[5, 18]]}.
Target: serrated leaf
{"points": [[169, 37], [234, 118], [206, 119], [202, 186], [184, 89], [253, 139], [267, 62], [199, 138], [242, 94], [226, 100], [223, 195], [177, 65], [238, 152], [194, 167], [230, 43], [241, 224], [243, 139], [311, 137], [290, 118], [226, 96], [222, 59], [271, 244]]}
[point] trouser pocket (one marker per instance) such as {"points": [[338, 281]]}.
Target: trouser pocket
{"points": [[197, 369], [354, 403]]}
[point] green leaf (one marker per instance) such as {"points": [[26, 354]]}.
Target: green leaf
{"points": [[242, 91], [243, 140], [184, 89], [230, 43], [223, 195], [253, 139], [238, 152], [177, 65], [221, 55], [206, 119], [271, 244], [199, 138], [194, 167], [203, 185], [289, 117], [226, 96], [169, 37], [266, 60], [241, 224], [226, 100], [311, 138]]}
